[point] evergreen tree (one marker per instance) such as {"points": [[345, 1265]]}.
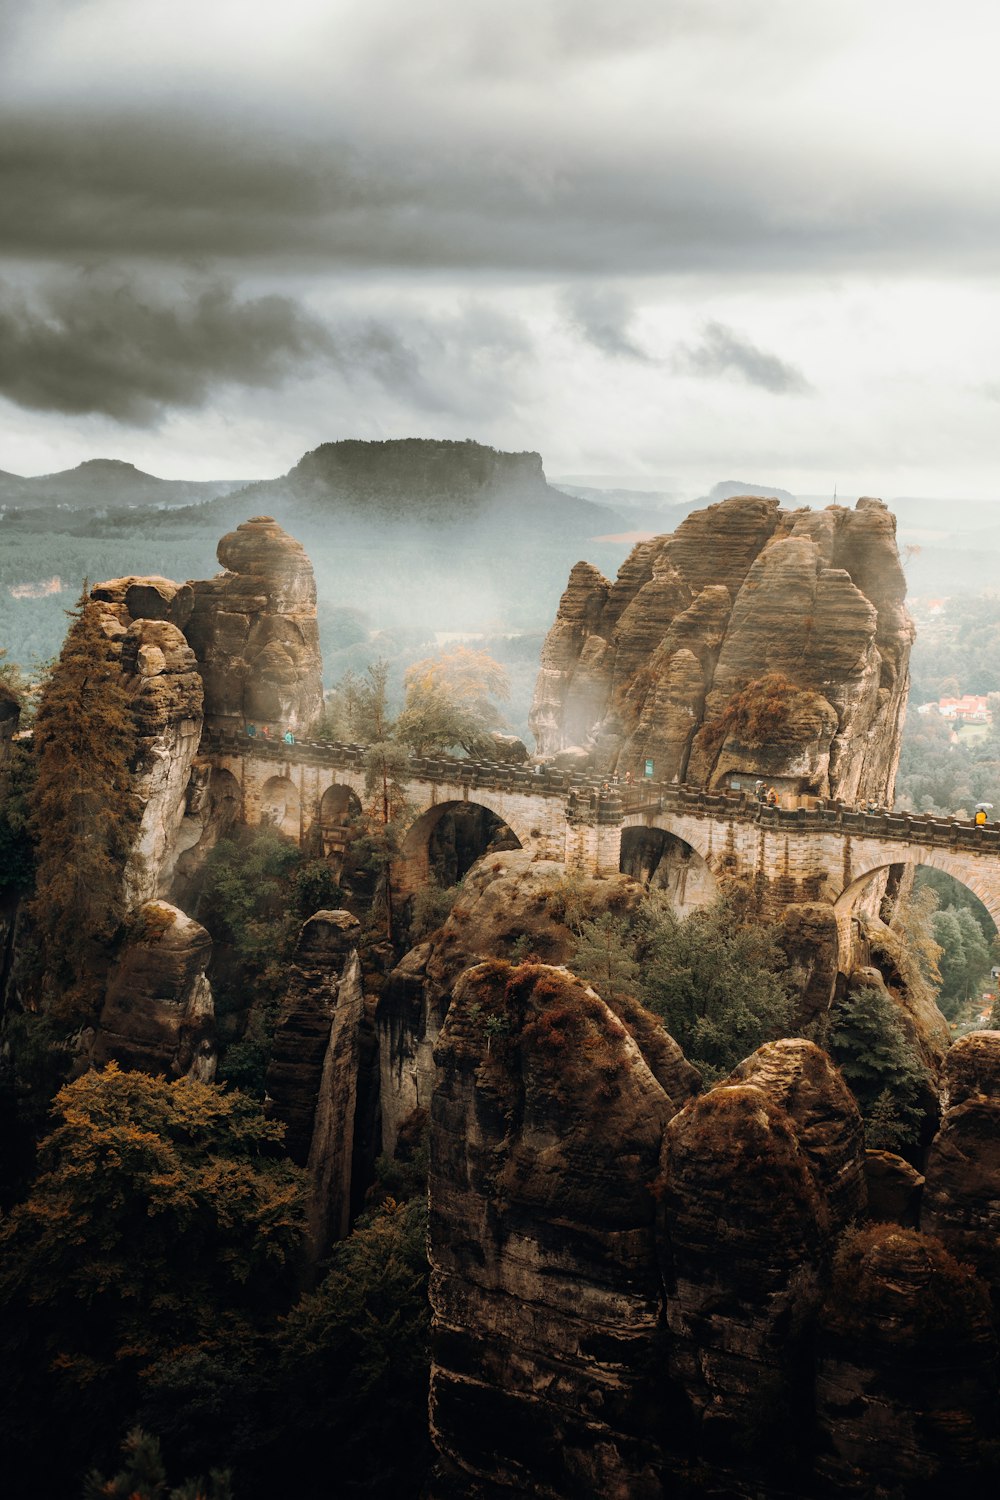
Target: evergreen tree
{"points": [[718, 978], [881, 1066], [355, 1356], [144, 1477], [83, 812], [605, 956]]}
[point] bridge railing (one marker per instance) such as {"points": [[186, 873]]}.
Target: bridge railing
{"points": [[588, 794]]}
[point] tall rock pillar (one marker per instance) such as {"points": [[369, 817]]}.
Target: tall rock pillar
{"points": [[253, 629]]}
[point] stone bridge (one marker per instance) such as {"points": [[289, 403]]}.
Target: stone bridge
{"points": [[830, 853]]}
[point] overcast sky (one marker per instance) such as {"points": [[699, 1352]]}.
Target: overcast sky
{"points": [[677, 240]]}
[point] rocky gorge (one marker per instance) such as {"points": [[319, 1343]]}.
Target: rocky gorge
{"points": [[644, 1280]]}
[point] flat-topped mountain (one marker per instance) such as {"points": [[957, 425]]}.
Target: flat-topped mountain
{"points": [[425, 482]]}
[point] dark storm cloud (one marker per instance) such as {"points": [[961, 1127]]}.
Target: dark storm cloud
{"points": [[237, 187], [723, 352], [112, 345], [103, 345], [602, 315]]}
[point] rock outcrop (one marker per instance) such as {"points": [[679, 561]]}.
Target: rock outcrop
{"points": [[961, 1200], [744, 607], [312, 1080], [158, 1014], [546, 1128], [757, 1176], [511, 905], [906, 1389], [254, 631], [165, 695]]}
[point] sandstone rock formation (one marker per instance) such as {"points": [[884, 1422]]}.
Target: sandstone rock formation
{"points": [[165, 693], [510, 905], [961, 1202], [757, 1176], [906, 1390], [312, 1080], [741, 597], [158, 1014], [546, 1126], [253, 629]]}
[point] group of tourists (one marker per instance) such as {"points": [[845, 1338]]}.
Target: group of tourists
{"points": [[765, 794], [265, 734]]}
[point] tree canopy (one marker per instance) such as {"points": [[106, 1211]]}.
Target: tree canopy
{"points": [[716, 978], [450, 700], [165, 1219]]}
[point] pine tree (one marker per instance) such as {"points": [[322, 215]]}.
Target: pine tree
{"points": [[83, 811], [880, 1065]]}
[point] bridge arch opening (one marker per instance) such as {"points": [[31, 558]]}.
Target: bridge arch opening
{"points": [[664, 862], [279, 806], [444, 842], [963, 918], [339, 809]]}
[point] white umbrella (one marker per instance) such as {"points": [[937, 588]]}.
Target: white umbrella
{"points": [[984, 806]]}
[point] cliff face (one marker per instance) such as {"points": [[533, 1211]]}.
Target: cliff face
{"points": [[158, 1013], [254, 632], [758, 1177], [312, 1080], [143, 618], [790, 1343], [544, 1285], [511, 904], [751, 640], [961, 1200]]}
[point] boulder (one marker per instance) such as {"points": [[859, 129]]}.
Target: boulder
{"points": [[894, 1188], [800, 1077], [158, 1015]]}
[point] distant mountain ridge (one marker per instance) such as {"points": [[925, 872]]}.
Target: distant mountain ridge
{"points": [[108, 482]]}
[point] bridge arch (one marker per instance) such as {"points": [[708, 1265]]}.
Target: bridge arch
{"points": [[665, 862], [448, 838], [280, 806], [967, 870], [339, 809]]}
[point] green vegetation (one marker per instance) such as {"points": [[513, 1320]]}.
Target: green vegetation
{"points": [[965, 958], [256, 890], [868, 1042], [144, 1477], [717, 978], [355, 1356], [17, 850], [165, 1220], [450, 701]]}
